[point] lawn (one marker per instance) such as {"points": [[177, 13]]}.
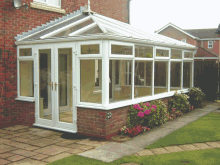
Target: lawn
{"points": [[205, 129], [201, 157]]}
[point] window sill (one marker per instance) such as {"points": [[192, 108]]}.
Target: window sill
{"points": [[46, 7], [28, 99]]}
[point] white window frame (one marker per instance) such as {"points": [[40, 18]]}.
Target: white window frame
{"points": [[176, 59], [87, 56], [183, 40], [47, 3], [120, 55], [190, 52], [161, 48], [24, 58], [210, 44], [144, 58]]}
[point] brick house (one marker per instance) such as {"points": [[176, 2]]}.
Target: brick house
{"points": [[205, 60], [78, 73]]}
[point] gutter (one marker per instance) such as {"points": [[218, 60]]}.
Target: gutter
{"points": [[104, 37]]}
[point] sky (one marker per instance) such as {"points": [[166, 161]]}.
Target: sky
{"points": [[151, 15]]}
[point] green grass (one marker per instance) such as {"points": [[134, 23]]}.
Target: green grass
{"points": [[201, 157], [204, 129]]}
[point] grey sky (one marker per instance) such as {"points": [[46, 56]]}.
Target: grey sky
{"points": [[151, 15]]}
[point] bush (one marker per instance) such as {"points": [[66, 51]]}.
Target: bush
{"points": [[146, 114], [180, 103], [196, 97]]}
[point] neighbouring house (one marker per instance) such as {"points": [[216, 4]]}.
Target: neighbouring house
{"points": [[206, 58], [81, 72]]}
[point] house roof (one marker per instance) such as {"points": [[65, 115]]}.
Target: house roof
{"points": [[194, 33], [203, 33], [89, 24]]}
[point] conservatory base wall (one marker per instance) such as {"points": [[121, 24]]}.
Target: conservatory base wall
{"points": [[93, 122]]}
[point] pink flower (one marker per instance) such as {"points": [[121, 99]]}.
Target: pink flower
{"points": [[136, 106], [147, 104], [147, 112], [138, 129], [154, 106], [141, 114], [140, 109]]}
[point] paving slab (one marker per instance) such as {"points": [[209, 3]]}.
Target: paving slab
{"points": [[56, 157], [15, 158], [51, 150], [4, 141], [28, 161], [16, 127], [24, 153], [120, 148], [5, 148], [18, 145], [65, 143], [102, 155], [75, 151], [3, 161], [188, 147], [158, 151], [214, 144], [39, 156], [92, 142], [174, 149], [80, 146], [2, 134], [145, 153], [5, 131], [42, 142], [202, 146], [5, 155]]}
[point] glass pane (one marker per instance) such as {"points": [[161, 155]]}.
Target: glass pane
{"points": [[122, 49], [188, 55], [65, 85], [90, 49], [121, 90], [162, 53], [90, 86], [74, 28], [176, 54], [25, 52], [160, 77], [26, 78], [46, 87], [175, 76], [54, 2], [142, 79], [187, 71], [143, 51], [92, 31]]}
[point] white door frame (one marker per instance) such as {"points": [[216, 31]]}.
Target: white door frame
{"points": [[55, 123]]}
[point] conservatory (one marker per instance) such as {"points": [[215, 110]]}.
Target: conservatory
{"points": [[84, 70]]}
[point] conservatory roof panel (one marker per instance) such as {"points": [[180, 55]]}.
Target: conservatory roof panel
{"points": [[81, 24]]}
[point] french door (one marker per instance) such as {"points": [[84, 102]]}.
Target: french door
{"points": [[55, 106]]}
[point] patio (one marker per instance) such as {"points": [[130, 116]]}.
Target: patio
{"points": [[27, 145]]}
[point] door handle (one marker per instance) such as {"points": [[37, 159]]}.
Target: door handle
{"points": [[55, 86], [52, 85]]}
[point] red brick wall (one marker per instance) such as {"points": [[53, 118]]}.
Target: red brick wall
{"points": [[93, 122], [15, 21], [176, 34], [215, 48]]}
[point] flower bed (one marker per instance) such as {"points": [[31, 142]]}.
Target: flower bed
{"points": [[145, 116]]}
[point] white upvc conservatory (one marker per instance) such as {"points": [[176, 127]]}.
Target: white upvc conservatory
{"points": [[92, 61]]}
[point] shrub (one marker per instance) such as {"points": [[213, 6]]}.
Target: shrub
{"points": [[137, 129], [147, 114], [196, 97], [180, 103], [173, 114]]}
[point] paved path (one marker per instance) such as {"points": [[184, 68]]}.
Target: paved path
{"points": [[113, 151]]}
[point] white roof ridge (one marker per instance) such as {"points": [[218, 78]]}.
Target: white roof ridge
{"points": [[49, 24]]}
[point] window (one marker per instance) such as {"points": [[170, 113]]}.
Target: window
{"points": [[121, 49], [56, 3], [176, 54], [123, 80], [210, 44], [162, 53], [188, 54], [143, 51], [90, 49], [26, 73], [187, 74], [142, 78], [175, 76], [160, 77], [89, 80], [183, 40]]}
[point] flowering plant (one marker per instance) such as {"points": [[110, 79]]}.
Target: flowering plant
{"points": [[173, 114], [196, 97], [136, 130]]}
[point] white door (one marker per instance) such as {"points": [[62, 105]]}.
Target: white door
{"points": [[56, 96]]}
